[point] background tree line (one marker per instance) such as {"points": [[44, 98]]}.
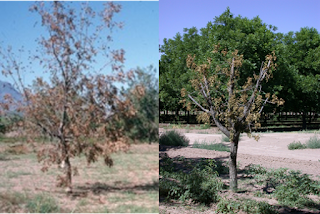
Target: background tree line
{"points": [[296, 79]]}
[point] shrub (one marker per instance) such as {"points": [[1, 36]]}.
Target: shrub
{"points": [[296, 145], [248, 206], [173, 138], [290, 188], [200, 185], [313, 142], [211, 146]]}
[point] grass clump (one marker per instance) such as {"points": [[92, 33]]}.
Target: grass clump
{"points": [[173, 138], [211, 146], [10, 202], [313, 142], [296, 145], [43, 203], [226, 139]]}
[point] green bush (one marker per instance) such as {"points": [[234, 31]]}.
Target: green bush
{"points": [[173, 138], [313, 142], [211, 146], [200, 185], [290, 188], [296, 145], [43, 203], [248, 206]]}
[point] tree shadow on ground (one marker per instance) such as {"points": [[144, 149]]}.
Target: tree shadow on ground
{"points": [[285, 210], [98, 188]]}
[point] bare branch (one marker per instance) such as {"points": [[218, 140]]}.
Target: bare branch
{"points": [[203, 109]]}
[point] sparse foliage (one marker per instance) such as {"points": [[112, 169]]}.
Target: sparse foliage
{"points": [[234, 108], [78, 106]]}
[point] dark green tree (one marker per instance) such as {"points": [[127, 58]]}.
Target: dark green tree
{"points": [[251, 37], [144, 125], [302, 54], [173, 73]]}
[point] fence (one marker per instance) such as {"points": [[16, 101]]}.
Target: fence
{"points": [[310, 120]]}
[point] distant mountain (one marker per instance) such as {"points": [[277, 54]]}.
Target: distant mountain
{"points": [[7, 88]]}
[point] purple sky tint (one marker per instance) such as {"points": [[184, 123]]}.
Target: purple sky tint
{"points": [[286, 15], [139, 37]]}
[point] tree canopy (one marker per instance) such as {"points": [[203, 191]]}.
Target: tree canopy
{"points": [[296, 77]]}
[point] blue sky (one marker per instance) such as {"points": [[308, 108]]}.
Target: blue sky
{"points": [[286, 15], [139, 37]]}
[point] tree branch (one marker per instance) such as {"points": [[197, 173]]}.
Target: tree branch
{"points": [[252, 98], [203, 109]]}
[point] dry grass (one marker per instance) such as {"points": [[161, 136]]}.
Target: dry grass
{"points": [[131, 185]]}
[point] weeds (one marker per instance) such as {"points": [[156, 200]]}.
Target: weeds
{"points": [[201, 184], [173, 138], [198, 180], [226, 139], [296, 145], [290, 188], [211, 146], [43, 203], [10, 202], [312, 143], [248, 206]]}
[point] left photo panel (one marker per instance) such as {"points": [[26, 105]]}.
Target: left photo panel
{"points": [[79, 107]]}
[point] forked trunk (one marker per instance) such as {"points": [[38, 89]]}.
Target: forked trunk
{"points": [[233, 165]]}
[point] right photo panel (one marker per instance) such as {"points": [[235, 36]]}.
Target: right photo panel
{"points": [[239, 125]]}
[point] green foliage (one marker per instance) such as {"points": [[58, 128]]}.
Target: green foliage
{"points": [[296, 145], [173, 138], [313, 142], [144, 125], [225, 138], [201, 184], [253, 38], [302, 51], [248, 206], [290, 188], [211, 146], [7, 121], [43, 203]]}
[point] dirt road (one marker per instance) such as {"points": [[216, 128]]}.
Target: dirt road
{"points": [[270, 151]]}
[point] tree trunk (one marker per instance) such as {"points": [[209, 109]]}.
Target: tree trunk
{"points": [[304, 123], [233, 165], [68, 175], [177, 115], [67, 182], [188, 117]]}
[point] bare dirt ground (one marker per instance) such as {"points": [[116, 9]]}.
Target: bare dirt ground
{"points": [[131, 185], [270, 151]]}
